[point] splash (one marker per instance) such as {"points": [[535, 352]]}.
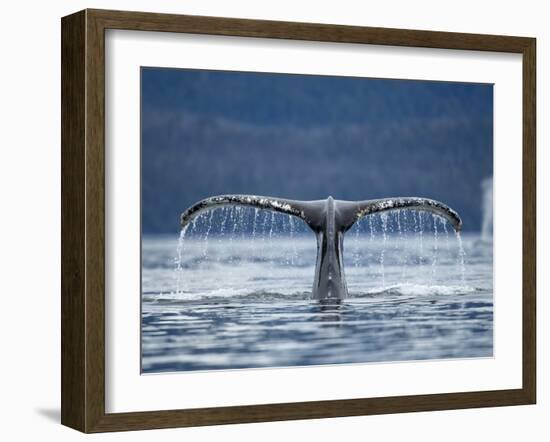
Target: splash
{"points": [[179, 259], [387, 248], [435, 250], [461, 259], [206, 234], [292, 231], [421, 237], [384, 219], [356, 245]]}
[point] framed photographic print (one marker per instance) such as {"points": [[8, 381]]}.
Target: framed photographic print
{"points": [[269, 220]]}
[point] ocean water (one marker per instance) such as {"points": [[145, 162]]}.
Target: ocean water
{"points": [[238, 295]]}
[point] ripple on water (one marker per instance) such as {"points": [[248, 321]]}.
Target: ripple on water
{"points": [[261, 315]]}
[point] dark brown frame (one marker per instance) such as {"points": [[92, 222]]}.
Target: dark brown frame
{"points": [[83, 217]]}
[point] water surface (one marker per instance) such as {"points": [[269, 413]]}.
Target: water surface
{"points": [[229, 297]]}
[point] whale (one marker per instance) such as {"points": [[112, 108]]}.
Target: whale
{"points": [[329, 219]]}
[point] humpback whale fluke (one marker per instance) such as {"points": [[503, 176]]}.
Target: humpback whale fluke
{"points": [[329, 219]]}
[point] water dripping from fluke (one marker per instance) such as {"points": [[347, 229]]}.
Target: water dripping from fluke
{"points": [[461, 259], [329, 219], [179, 259]]}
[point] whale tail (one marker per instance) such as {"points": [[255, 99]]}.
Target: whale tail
{"points": [[330, 219], [352, 211], [300, 209]]}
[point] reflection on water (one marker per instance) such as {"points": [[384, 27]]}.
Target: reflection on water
{"points": [[328, 312], [246, 304]]}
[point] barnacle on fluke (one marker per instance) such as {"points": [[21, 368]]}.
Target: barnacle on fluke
{"points": [[330, 219]]}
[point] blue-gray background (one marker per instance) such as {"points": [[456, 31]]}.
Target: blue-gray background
{"points": [[306, 137]]}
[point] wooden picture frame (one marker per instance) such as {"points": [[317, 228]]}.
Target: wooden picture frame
{"points": [[83, 220]]}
